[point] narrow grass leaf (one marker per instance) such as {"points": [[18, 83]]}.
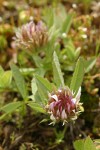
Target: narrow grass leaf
{"points": [[5, 79], [19, 79], [67, 23], [36, 107], [9, 108], [89, 64], [42, 91], [77, 75], [70, 53], [33, 86], [44, 82], [58, 77]]}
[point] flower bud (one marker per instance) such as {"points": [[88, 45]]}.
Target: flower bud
{"points": [[32, 35], [63, 105]]}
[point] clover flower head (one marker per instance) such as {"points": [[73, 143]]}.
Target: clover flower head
{"points": [[63, 105], [95, 9], [31, 35]]}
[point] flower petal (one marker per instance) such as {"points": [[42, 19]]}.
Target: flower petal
{"points": [[52, 117], [78, 95], [73, 100], [63, 115], [55, 97]]}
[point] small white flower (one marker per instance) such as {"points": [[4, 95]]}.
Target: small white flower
{"points": [[64, 35], [74, 6], [84, 36]]}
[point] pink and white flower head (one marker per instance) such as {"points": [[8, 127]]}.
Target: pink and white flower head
{"points": [[31, 35], [63, 105]]}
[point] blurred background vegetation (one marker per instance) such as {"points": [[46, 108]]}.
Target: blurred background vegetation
{"points": [[80, 36]]}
